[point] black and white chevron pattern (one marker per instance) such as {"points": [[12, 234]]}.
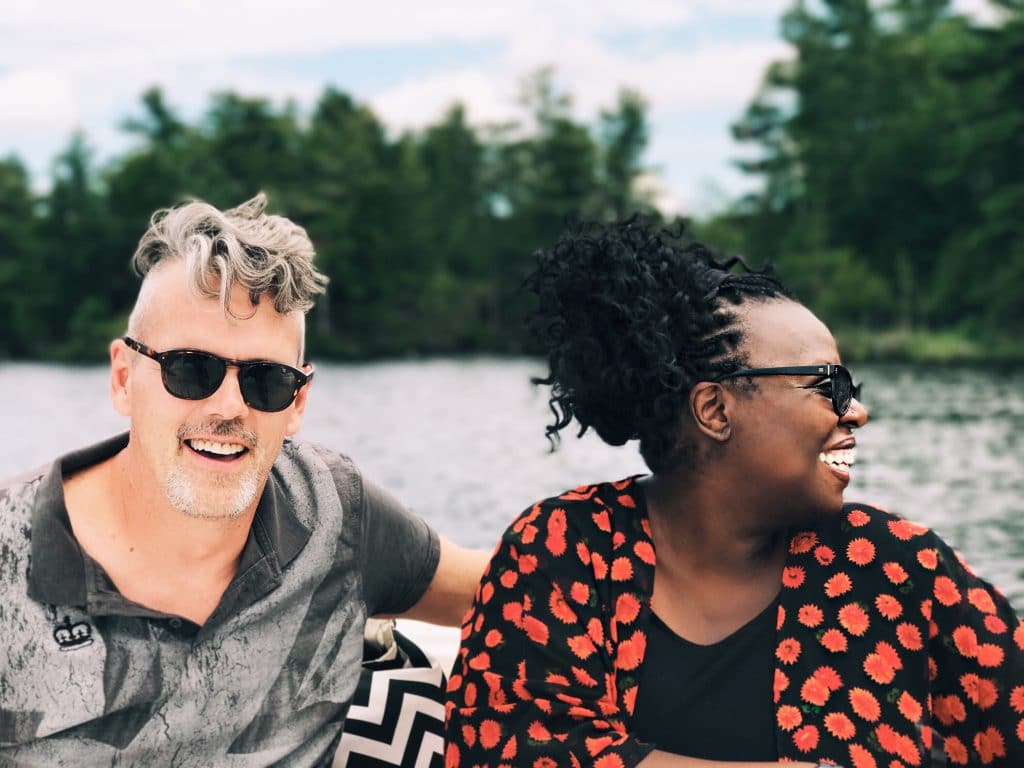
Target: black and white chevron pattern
{"points": [[396, 719]]}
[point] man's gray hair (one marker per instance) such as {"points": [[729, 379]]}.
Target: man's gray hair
{"points": [[242, 246]]}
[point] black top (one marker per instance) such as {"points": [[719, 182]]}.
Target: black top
{"points": [[710, 701]]}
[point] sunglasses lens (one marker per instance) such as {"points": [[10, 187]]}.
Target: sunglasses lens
{"points": [[842, 390], [192, 375], [268, 387]]}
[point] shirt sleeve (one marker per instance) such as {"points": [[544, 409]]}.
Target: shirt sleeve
{"points": [[540, 678], [400, 553], [976, 663]]}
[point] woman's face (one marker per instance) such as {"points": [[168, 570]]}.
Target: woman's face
{"points": [[790, 443]]}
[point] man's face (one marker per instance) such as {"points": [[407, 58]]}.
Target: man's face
{"points": [[210, 458]]}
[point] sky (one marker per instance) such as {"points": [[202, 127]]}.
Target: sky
{"points": [[67, 65]]}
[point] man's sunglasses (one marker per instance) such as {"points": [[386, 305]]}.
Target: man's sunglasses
{"points": [[843, 388], [193, 374]]}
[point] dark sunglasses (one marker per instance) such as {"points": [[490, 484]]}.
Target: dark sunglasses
{"points": [[193, 374], [843, 388]]}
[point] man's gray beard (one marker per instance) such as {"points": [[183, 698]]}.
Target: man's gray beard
{"points": [[181, 494]]}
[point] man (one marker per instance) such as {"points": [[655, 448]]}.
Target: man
{"points": [[194, 592]]}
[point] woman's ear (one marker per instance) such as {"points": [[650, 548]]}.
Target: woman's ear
{"points": [[709, 407]]}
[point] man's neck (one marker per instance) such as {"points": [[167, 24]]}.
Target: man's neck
{"points": [[155, 555]]}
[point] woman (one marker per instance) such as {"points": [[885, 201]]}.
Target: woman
{"points": [[728, 606]]}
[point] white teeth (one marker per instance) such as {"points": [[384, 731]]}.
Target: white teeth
{"points": [[222, 449], [845, 457]]}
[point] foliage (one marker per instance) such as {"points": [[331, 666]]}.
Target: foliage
{"points": [[891, 160]]}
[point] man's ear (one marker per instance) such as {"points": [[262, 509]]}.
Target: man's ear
{"points": [[120, 374], [298, 408], [709, 407]]}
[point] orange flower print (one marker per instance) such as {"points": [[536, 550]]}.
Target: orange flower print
{"points": [[644, 551], [583, 677], [622, 569], [629, 699], [780, 617], [603, 521], [840, 726], [890, 654], [581, 646], [609, 761], [928, 558], [527, 564], [1017, 699], [889, 607], [529, 534], [865, 705], [815, 692], [538, 732], [631, 651], [904, 530], [626, 500], [956, 751], [995, 625], [838, 584], [858, 518], [490, 733], [829, 678], [493, 638], [597, 744], [946, 591], [536, 630], [824, 555], [451, 755], [966, 641], [802, 542], [469, 735], [618, 539], [557, 527], [990, 655], [854, 619], [910, 707], [806, 738], [860, 551], [898, 744], [895, 573], [599, 565], [545, 762], [579, 592], [793, 576], [627, 608], [481, 661], [1018, 634], [981, 599], [788, 651], [788, 717], [560, 609], [989, 744], [909, 637], [508, 752], [878, 669], [508, 579], [979, 690], [861, 758], [583, 552], [810, 615], [780, 684], [833, 640]]}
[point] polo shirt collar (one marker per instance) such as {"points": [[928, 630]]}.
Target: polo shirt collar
{"points": [[58, 573]]}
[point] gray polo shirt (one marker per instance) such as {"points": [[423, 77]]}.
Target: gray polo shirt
{"points": [[90, 678]]}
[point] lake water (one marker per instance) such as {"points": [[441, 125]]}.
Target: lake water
{"points": [[462, 443]]}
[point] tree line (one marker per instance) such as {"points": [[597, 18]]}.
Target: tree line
{"points": [[890, 151]]}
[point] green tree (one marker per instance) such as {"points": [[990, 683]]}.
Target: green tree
{"points": [[21, 283]]}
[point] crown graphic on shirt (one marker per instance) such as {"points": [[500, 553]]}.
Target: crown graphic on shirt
{"points": [[70, 636]]}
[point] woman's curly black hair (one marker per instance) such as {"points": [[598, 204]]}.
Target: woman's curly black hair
{"points": [[631, 317]]}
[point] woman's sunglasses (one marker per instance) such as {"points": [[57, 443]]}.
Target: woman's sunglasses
{"points": [[193, 374], [843, 388]]}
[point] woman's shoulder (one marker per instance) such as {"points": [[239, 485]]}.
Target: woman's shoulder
{"points": [[862, 533]]}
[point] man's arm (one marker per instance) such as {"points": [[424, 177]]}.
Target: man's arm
{"points": [[451, 591]]}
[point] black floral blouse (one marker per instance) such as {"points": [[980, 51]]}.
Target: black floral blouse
{"points": [[889, 651]]}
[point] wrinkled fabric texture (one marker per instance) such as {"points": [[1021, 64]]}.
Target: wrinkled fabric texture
{"points": [[89, 678], [887, 648]]}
